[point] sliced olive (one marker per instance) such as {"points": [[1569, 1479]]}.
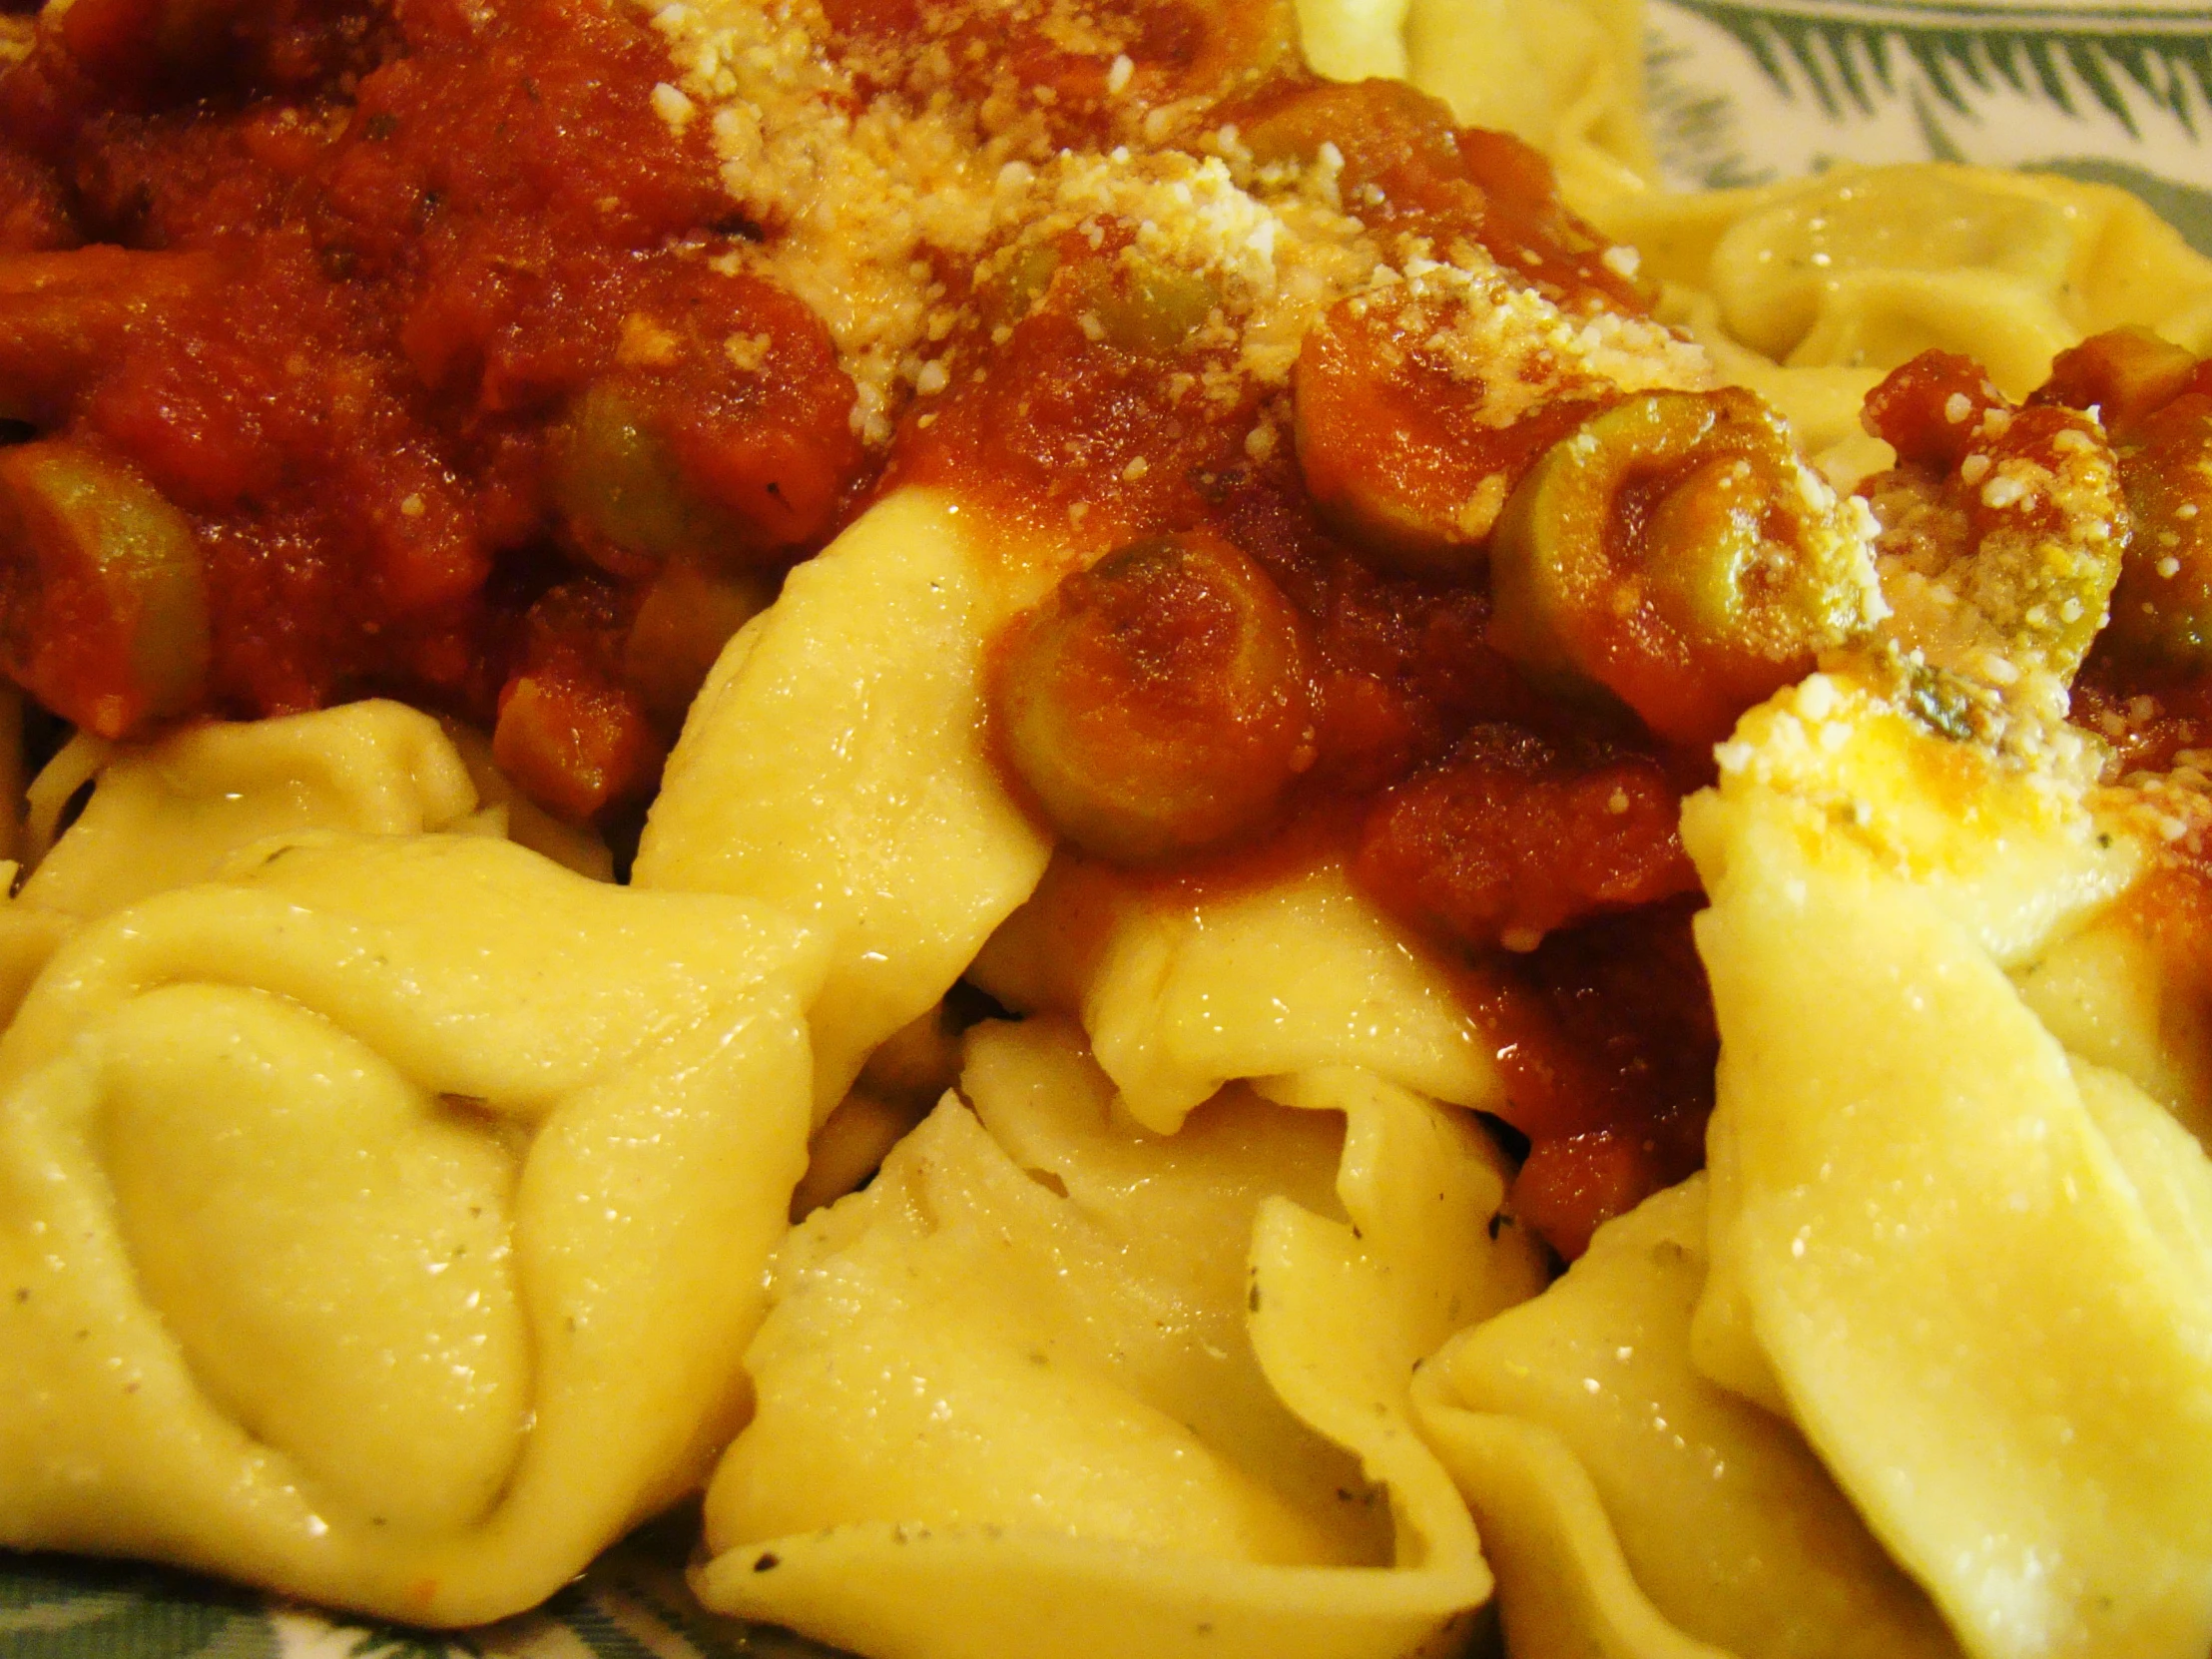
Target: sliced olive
{"points": [[65, 315], [2162, 605], [1677, 552], [1388, 135], [1017, 284], [620, 491], [1402, 450], [103, 604], [1147, 307], [684, 621], [2017, 514], [1156, 704]]}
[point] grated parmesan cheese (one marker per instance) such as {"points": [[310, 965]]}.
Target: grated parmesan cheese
{"points": [[873, 183]]}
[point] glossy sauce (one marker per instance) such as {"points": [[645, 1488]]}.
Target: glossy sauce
{"points": [[386, 275], [419, 237], [1484, 812]]}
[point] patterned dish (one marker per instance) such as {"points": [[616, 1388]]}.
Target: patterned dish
{"points": [[2110, 93], [1739, 94]]}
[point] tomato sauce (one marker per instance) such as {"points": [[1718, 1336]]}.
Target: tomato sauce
{"points": [[421, 236], [1528, 842], [445, 344]]}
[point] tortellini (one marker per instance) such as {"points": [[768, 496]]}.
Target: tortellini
{"points": [[1180, 994], [862, 800], [1808, 292], [2118, 993], [392, 1218], [383, 1223], [1054, 1384], [172, 813], [1973, 1269], [148, 818], [1632, 1507], [1924, 1364]]}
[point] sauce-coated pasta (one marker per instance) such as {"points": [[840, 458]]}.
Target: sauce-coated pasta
{"points": [[1375, 892]]}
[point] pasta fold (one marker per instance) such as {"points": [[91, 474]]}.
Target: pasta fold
{"points": [[383, 1223], [1053, 1384], [1810, 291], [172, 813], [1929, 1248], [2116, 995], [860, 799], [1636, 1510], [1181, 993], [1569, 78]]}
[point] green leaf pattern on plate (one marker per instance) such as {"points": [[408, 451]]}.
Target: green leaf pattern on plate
{"points": [[632, 1605], [54, 1608], [2114, 92]]}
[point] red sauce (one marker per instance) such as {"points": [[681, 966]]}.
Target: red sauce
{"points": [[1049, 66], [422, 235], [2146, 687], [1513, 837], [370, 296], [1476, 808], [1930, 410]]}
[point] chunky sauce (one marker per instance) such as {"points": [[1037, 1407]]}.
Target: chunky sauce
{"points": [[429, 324], [370, 281]]}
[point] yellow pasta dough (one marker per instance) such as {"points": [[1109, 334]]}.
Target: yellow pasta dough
{"points": [[1810, 291], [2106, 993], [392, 1218], [1971, 1270], [172, 813], [860, 797], [1633, 1509], [1181, 994], [382, 1222], [1055, 1383]]}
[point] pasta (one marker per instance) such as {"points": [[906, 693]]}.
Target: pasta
{"points": [[2047, 1216], [1311, 928], [1178, 1001], [1657, 1513], [1062, 1400], [526, 1127], [1809, 292], [895, 840]]}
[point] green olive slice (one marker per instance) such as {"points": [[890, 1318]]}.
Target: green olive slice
{"points": [[620, 492], [2162, 604], [66, 315], [1677, 553], [1407, 448], [1149, 307], [685, 619], [103, 603], [1156, 704]]}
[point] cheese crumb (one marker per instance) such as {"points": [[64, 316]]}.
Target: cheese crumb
{"points": [[670, 104]]}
